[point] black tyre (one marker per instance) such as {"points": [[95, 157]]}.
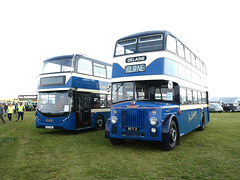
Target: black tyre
{"points": [[173, 135], [117, 141], [202, 127], [99, 122]]}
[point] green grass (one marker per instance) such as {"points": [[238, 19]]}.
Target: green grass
{"points": [[30, 153]]}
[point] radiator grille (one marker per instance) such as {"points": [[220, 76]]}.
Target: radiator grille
{"points": [[136, 119]]}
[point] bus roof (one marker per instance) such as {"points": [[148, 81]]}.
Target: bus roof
{"points": [[145, 33], [71, 56]]}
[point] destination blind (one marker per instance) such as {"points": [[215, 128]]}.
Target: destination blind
{"points": [[135, 68]]}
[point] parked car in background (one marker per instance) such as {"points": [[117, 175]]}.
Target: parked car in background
{"points": [[215, 107], [229, 107]]}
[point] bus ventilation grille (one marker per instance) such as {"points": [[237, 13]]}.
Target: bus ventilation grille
{"points": [[136, 119]]}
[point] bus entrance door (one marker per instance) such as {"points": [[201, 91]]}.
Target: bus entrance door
{"points": [[83, 110]]}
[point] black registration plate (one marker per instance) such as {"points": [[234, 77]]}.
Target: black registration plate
{"points": [[132, 129]]}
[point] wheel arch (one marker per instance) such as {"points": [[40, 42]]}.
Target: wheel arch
{"points": [[166, 128], [107, 128]]}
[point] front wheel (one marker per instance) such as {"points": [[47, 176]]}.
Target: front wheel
{"points": [[117, 141], [173, 135]]}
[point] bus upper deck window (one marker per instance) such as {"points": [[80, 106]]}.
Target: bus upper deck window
{"points": [[99, 70], [188, 55], [180, 49], [127, 46], [85, 66], [171, 44], [150, 43]]}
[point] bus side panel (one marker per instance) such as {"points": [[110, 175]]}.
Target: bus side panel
{"points": [[189, 120], [66, 122], [105, 115]]}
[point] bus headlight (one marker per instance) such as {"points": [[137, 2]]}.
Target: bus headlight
{"points": [[153, 130], [114, 119], [153, 121]]}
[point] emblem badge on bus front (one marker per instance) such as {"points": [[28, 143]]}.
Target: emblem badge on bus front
{"points": [[132, 105]]}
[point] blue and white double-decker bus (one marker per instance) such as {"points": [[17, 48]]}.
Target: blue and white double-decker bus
{"points": [[159, 90], [73, 93]]}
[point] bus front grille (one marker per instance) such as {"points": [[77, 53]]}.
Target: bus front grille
{"points": [[133, 119]]}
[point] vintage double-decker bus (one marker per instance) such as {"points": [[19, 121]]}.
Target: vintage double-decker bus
{"points": [[159, 90]]}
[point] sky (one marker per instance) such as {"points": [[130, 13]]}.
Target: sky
{"points": [[33, 30]]}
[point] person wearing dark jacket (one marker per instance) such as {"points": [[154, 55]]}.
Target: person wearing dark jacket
{"points": [[2, 111], [5, 109]]}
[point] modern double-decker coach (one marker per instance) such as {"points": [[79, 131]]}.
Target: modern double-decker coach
{"points": [[73, 93], [159, 90]]}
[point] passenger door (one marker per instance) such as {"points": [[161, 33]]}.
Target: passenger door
{"points": [[83, 110]]}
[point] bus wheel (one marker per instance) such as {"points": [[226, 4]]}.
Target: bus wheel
{"points": [[172, 137], [202, 127], [99, 122], [117, 141]]}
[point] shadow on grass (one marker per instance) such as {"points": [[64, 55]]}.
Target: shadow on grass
{"points": [[144, 145], [64, 132], [140, 145], [136, 145]]}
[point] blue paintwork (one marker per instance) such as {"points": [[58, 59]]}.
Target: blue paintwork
{"points": [[57, 122], [159, 66], [95, 114], [84, 83], [107, 128], [147, 107], [78, 82], [187, 121], [66, 122]]}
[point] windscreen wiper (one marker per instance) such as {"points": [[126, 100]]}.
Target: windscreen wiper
{"points": [[119, 87]]}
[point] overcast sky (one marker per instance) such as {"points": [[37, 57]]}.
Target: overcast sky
{"points": [[31, 31]]}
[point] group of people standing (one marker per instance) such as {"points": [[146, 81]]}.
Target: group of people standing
{"points": [[10, 110]]}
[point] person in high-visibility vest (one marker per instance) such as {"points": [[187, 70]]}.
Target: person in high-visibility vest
{"points": [[10, 112], [21, 110]]}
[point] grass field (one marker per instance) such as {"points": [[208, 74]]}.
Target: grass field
{"points": [[30, 153]]}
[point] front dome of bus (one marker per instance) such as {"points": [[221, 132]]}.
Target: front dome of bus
{"points": [[145, 33]]}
